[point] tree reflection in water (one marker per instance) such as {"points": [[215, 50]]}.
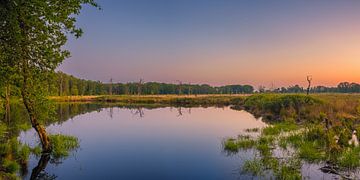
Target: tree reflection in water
{"points": [[64, 111], [39, 171]]}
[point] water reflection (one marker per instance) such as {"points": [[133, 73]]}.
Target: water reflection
{"points": [[38, 171], [168, 143]]}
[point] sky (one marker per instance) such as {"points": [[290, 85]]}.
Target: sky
{"points": [[218, 42]]}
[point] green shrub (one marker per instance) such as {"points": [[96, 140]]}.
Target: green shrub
{"points": [[11, 166]]}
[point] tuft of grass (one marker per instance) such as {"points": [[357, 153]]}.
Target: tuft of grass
{"points": [[242, 142], [350, 158], [295, 140], [311, 152], [230, 145], [253, 167], [289, 170], [63, 144], [278, 128]]}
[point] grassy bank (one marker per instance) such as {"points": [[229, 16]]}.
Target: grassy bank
{"points": [[158, 99], [303, 129], [272, 107], [306, 125]]}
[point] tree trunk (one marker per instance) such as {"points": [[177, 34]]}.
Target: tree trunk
{"points": [[7, 104], [29, 105]]}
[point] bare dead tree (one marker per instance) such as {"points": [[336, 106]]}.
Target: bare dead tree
{"points": [[139, 86], [189, 89], [309, 79], [110, 88], [180, 86]]}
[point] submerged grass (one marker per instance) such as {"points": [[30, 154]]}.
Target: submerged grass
{"points": [[14, 155], [253, 167], [279, 128], [242, 142], [312, 143]]}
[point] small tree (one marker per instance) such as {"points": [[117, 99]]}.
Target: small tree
{"points": [[32, 35]]}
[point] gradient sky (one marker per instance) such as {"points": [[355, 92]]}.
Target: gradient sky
{"points": [[257, 42]]}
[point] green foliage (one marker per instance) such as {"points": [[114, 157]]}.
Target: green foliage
{"points": [[274, 107], [242, 142], [230, 145], [36, 151], [277, 128], [3, 130], [11, 166], [311, 151], [67, 85], [350, 158], [253, 167], [289, 170], [63, 145], [12, 155]]}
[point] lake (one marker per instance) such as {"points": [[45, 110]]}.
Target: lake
{"points": [[141, 143]]}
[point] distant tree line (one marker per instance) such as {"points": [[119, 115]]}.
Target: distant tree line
{"points": [[343, 87], [65, 85], [62, 84]]}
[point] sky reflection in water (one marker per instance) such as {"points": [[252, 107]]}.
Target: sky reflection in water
{"points": [[163, 143]]}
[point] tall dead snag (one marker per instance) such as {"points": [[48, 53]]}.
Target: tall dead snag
{"points": [[110, 88], [189, 89], [180, 87], [309, 79], [139, 86]]}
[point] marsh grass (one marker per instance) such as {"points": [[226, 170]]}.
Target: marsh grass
{"points": [[63, 145], [253, 167], [350, 158], [242, 142], [278, 128], [310, 143]]}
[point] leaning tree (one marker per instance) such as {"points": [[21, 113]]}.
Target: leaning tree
{"points": [[32, 36]]}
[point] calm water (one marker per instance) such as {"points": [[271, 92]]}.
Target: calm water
{"points": [[161, 143]]}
